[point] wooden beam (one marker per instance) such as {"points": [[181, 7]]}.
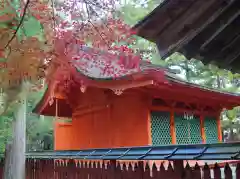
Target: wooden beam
{"points": [[197, 112], [178, 9], [235, 65], [198, 37], [125, 85], [233, 58], [221, 28], [166, 13], [232, 41], [170, 38], [231, 54]]}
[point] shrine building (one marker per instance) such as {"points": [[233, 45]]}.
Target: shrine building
{"points": [[144, 105]]}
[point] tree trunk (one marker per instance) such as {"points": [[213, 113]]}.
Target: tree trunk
{"points": [[8, 161], [187, 70], [231, 136], [15, 169], [218, 82]]}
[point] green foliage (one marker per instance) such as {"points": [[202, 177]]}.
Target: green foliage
{"points": [[32, 27], [37, 130], [37, 127], [134, 11], [5, 131]]}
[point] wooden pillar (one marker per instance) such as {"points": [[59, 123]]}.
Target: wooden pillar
{"points": [[55, 124], [110, 121], [149, 127], [219, 128], [172, 127], [202, 129], [149, 119]]}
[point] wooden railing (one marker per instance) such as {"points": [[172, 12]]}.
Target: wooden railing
{"points": [[75, 169], [150, 162], [83, 169]]}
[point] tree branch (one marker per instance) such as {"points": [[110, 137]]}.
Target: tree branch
{"points": [[19, 25]]}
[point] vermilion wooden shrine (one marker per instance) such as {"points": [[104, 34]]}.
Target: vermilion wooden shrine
{"points": [[145, 105]]}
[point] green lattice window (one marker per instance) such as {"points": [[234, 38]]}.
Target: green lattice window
{"points": [[160, 128], [211, 130], [187, 130]]}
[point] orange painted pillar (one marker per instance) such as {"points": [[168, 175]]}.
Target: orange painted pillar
{"points": [[172, 127], [149, 127], [149, 120], [203, 135], [219, 128]]}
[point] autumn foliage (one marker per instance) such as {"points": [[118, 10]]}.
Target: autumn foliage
{"points": [[22, 50], [53, 51]]}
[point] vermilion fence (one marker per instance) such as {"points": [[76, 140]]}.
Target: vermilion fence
{"points": [[137, 163], [73, 169]]}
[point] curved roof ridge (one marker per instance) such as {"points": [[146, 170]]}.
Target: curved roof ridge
{"points": [[174, 78]]}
